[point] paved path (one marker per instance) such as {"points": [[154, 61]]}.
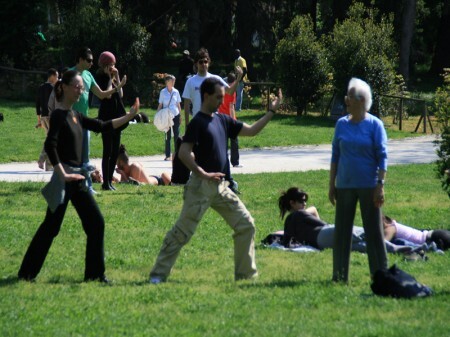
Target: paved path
{"points": [[282, 159]]}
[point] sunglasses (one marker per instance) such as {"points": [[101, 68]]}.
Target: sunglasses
{"points": [[203, 61], [89, 60]]}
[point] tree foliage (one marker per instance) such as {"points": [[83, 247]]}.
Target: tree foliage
{"points": [[302, 67], [442, 113], [361, 47]]}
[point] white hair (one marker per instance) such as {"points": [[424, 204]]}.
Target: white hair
{"points": [[362, 89]]}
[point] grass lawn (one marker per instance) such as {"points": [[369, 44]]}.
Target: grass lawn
{"points": [[292, 297], [22, 142]]}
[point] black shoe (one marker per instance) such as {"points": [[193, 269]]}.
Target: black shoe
{"points": [[27, 278], [107, 188], [111, 186], [101, 279]]}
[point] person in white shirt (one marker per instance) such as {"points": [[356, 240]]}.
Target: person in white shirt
{"points": [[169, 97], [191, 93]]}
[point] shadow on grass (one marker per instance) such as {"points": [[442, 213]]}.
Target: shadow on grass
{"points": [[8, 281], [286, 284]]}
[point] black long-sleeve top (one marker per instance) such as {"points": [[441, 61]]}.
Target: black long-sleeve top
{"points": [[65, 136], [303, 227], [43, 95]]}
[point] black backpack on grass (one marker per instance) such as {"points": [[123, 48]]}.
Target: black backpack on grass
{"points": [[395, 282]]}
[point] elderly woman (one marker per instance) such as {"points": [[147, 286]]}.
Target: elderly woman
{"points": [[68, 183], [170, 98], [357, 173]]}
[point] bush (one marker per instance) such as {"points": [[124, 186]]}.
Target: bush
{"points": [[361, 47], [442, 113], [302, 67]]}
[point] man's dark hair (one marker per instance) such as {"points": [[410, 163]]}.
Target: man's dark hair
{"points": [[52, 71], [209, 86], [83, 53], [201, 54]]}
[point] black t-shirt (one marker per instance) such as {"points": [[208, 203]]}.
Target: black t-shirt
{"points": [[303, 227], [110, 108], [210, 134], [43, 95], [65, 136]]}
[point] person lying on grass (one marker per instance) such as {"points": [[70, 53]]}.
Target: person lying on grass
{"points": [[397, 233], [134, 172], [303, 225]]}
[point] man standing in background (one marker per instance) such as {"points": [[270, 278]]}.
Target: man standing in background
{"points": [[240, 62], [44, 91]]}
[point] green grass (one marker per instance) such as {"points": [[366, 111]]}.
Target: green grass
{"points": [[292, 297], [22, 142]]}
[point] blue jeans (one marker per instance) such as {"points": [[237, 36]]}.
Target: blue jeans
{"points": [[239, 92], [85, 152]]}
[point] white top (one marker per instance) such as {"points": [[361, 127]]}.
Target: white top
{"points": [[164, 99], [192, 90], [411, 234]]}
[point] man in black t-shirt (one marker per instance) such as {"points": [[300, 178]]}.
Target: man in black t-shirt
{"points": [[204, 152]]}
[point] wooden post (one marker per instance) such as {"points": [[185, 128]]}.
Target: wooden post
{"points": [[424, 118], [401, 113]]}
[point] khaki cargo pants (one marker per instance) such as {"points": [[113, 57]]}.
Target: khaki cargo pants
{"points": [[199, 195]]}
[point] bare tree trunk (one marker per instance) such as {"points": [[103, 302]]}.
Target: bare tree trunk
{"points": [[194, 26], [407, 32], [441, 58]]}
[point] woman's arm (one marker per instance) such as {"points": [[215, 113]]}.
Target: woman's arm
{"points": [[332, 184], [105, 94]]}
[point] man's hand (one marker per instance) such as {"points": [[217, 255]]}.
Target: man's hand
{"points": [[73, 177], [275, 104], [214, 176], [332, 195]]}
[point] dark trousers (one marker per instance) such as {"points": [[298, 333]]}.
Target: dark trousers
{"points": [[111, 144], [346, 201], [93, 225], [234, 151], [176, 133]]}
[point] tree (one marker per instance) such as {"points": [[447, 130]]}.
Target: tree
{"points": [[441, 57], [302, 66], [408, 24], [361, 47]]}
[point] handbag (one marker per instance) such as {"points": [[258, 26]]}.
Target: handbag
{"points": [[164, 119]]}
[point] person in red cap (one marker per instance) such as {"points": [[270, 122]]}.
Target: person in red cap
{"points": [[108, 78], [84, 60]]}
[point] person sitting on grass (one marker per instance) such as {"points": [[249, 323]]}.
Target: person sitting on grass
{"points": [[303, 225], [134, 172]]}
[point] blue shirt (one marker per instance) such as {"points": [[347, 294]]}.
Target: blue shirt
{"points": [[210, 134], [359, 151]]}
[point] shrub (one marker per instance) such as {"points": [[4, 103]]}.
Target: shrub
{"points": [[361, 47], [442, 113], [302, 67]]}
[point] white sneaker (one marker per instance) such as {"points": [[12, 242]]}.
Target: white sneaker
{"points": [[156, 280], [92, 191]]}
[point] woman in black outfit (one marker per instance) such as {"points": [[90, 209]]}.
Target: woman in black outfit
{"points": [[108, 77], [63, 147]]}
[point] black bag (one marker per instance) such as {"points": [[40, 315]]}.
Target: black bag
{"points": [[397, 283], [1, 117]]}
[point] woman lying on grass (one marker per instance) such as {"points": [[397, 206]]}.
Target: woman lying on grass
{"points": [[303, 225]]}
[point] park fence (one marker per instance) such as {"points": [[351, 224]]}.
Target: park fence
{"points": [[20, 84]]}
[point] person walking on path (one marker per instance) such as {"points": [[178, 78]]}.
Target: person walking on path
{"points": [[42, 112], [84, 61], [241, 63], [169, 98], [191, 93], [228, 108], [204, 152], [357, 173], [111, 107], [64, 148]]}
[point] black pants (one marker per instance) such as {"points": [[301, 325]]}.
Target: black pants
{"points": [[234, 151], [93, 225], [111, 144], [176, 133], [442, 238]]}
